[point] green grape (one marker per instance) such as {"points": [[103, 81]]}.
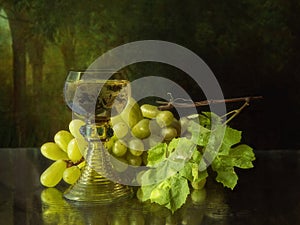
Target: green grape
{"points": [[120, 129], [116, 119], [132, 113], [141, 129], [198, 184], [149, 111], [51, 151], [168, 133], [164, 118], [73, 151], [119, 148], [82, 145], [120, 164], [154, 127], [110, 143], [71, 174], [74, 127], [134, 160], [62, 139], [53, 174], [136, 147], [176, 125]]}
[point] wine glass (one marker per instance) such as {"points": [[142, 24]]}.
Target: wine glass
{"points": [[95, 96]]}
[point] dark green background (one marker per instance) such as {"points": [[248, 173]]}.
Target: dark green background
{"points": [[252, 46]]}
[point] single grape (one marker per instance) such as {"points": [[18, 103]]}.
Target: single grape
{"points": [[51, 151], [119, 148], [134, 160], [132, 113], [198, 184], [62, 139], [168, 133], [116, 119], [141, 129], [73, 151], [53, 174], [176, 125], [154, 127], [149, 111], [136, 147], [71, 174], [74, 127], [110, 143], [82, 145], [164, 118], [120, 129]]}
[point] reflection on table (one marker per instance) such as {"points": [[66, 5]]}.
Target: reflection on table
{"points": [[267, 194]]}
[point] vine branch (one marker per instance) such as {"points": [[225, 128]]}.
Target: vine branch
{"points": [[184, 103]]}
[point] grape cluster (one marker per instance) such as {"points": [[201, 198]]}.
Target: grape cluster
{"points": [[137, 129], [66, 154]]}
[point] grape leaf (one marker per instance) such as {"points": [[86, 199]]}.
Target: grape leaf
{"points": [[162, 167], [200, 134], [240, 156], [231, 137], [183, 160], [178, 193], [171, 192], [191, 172], [227, 176], [208, 118], [173, 145], [157, 154]]}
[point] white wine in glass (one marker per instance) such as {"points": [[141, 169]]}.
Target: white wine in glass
{"points": [[96, 96]]}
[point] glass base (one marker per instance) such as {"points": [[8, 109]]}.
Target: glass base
{"points": [[92, 187]]}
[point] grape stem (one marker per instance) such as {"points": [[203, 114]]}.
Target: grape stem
{"points": [[235, 112], [70, 163], [185, 103]]}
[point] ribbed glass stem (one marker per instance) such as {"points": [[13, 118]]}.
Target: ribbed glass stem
{"points": [[93, 186]]}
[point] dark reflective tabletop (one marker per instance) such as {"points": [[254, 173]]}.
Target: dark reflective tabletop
{"points": [[266, 194]]}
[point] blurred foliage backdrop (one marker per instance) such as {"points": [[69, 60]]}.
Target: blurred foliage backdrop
{"points": [[252, 46]]}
